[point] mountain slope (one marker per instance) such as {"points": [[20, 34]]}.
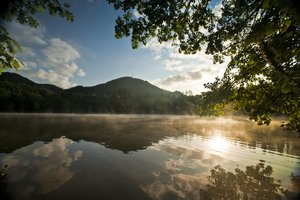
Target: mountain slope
{"points": [[122, 95], [134, 86], [15, 78], [18, 79]]}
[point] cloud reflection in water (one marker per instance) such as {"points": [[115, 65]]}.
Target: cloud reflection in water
{"points": [[41, 168], [186, 170]]}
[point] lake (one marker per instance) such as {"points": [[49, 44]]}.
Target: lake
{"points": [[67, 156]]}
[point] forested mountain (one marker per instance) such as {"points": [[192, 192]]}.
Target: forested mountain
{"points": [[135, 86], [123, 95]]}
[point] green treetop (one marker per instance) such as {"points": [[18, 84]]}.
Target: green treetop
{"points": [[23, 11], [261, 37]]}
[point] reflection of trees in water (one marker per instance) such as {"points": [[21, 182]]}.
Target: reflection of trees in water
{"points": [[136, 132], [3, 185], [124, 133], [3, 174], [255, 183]]}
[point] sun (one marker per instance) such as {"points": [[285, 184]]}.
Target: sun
{"points": [[219, 143]]}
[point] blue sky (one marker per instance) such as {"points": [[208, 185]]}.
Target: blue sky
{"points": [[85, 52]]}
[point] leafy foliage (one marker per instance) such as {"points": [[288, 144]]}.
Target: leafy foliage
{"points": [[23, 11], [8, 48], [175, 20], [262, 39]]}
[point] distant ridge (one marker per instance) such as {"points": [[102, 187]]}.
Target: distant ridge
{"points": [[134, 85], [121, 95]]}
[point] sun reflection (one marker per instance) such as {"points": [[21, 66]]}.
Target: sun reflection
{"points": [[219, 143]]}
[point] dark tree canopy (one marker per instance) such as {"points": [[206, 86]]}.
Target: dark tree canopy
{"points": [[261, 37], [23, 11]]}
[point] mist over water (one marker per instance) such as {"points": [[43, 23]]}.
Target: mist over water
{"points": [[135, 156]]}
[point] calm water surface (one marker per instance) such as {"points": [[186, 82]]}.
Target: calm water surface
{"points": [[135, 156]]}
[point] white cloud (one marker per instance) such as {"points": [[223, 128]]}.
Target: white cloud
{"points": [[68, 69], [55, 59], [81, 73], [60, 52], [157, 47], [59, 65], [188, 80], [60, 80], [28, 65], [174, 79], [171, 55], [27, 52], [136, 13], [42, 74], [195, 75], [54, 78], [185, 72], [157, 57], [188, 76], [217, 10], [172, 64], [26, 34]]}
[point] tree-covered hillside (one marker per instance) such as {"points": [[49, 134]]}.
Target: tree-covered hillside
{"points": [[123, 95]]}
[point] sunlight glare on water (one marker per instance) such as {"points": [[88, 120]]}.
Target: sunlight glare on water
{"points": [[219, 143]]}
